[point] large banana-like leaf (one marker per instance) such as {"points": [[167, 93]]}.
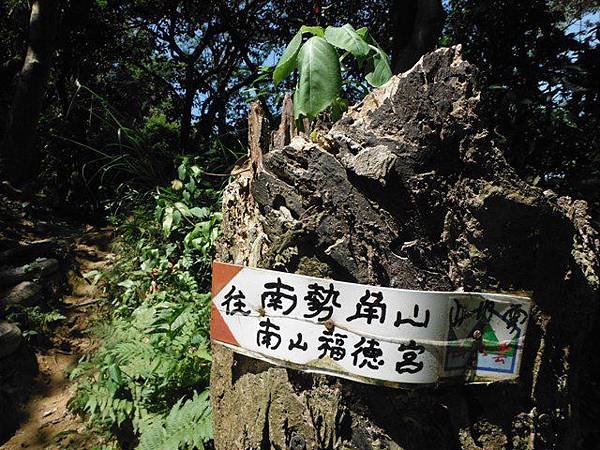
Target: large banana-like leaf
{"points": [[287, 62], [320, 77], [381, 69], [316, 31], [348, 39]]}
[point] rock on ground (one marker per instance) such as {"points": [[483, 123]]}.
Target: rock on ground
{"points": [[41, 267], [410, 190], [24, 293]]}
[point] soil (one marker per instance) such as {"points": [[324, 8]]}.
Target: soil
{"points": [[45, 421]]}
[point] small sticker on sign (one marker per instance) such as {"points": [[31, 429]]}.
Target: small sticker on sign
{"points": [[371, 334]]}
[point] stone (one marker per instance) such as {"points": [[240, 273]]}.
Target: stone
{"points": [[375, 163], [20, 254], [40, 268], [10, 339], [25, 293]]}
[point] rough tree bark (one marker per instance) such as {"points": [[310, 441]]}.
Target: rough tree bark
{"points": [[409, 190], [21, 155]]}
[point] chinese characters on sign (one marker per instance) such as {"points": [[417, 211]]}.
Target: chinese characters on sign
{"points": [[367, 333]]}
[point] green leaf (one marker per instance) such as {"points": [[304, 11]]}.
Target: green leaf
{"points": [[167, 221], [176, 217], [182, 171], [127, 284], [200, 213], [287, 62], [348, 39], [338, 107], [204, 354], [115, 374], [381, 69], [363, 33], [320, 77], [316, 31], [183, 209]]}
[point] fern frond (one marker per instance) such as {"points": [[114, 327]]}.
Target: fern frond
{"points": [[188, 425]]}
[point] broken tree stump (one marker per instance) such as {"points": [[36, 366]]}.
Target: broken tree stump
{"points": [[409, 190]]}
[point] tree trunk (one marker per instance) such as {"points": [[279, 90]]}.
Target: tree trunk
{"points": [[188, 106], [19, 150], [409, 190], [417, 27]]}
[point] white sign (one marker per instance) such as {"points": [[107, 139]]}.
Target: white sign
{"points": [[368, 333]]}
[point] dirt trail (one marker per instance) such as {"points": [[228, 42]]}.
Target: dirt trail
{"points": [[46, 422]]}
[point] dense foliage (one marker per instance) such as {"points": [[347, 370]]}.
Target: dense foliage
{"points": [[147, 382], [320, 66], [136, 84], [183, 72], [539, 65]]}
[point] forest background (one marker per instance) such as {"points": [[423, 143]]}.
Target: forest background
{"points": [[136, 112]]}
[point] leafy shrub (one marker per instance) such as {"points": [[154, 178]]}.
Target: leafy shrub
{"points": [[148, 381], [35, 320], [320, 66], [159, 135], [122, 151], [148, 365]]}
